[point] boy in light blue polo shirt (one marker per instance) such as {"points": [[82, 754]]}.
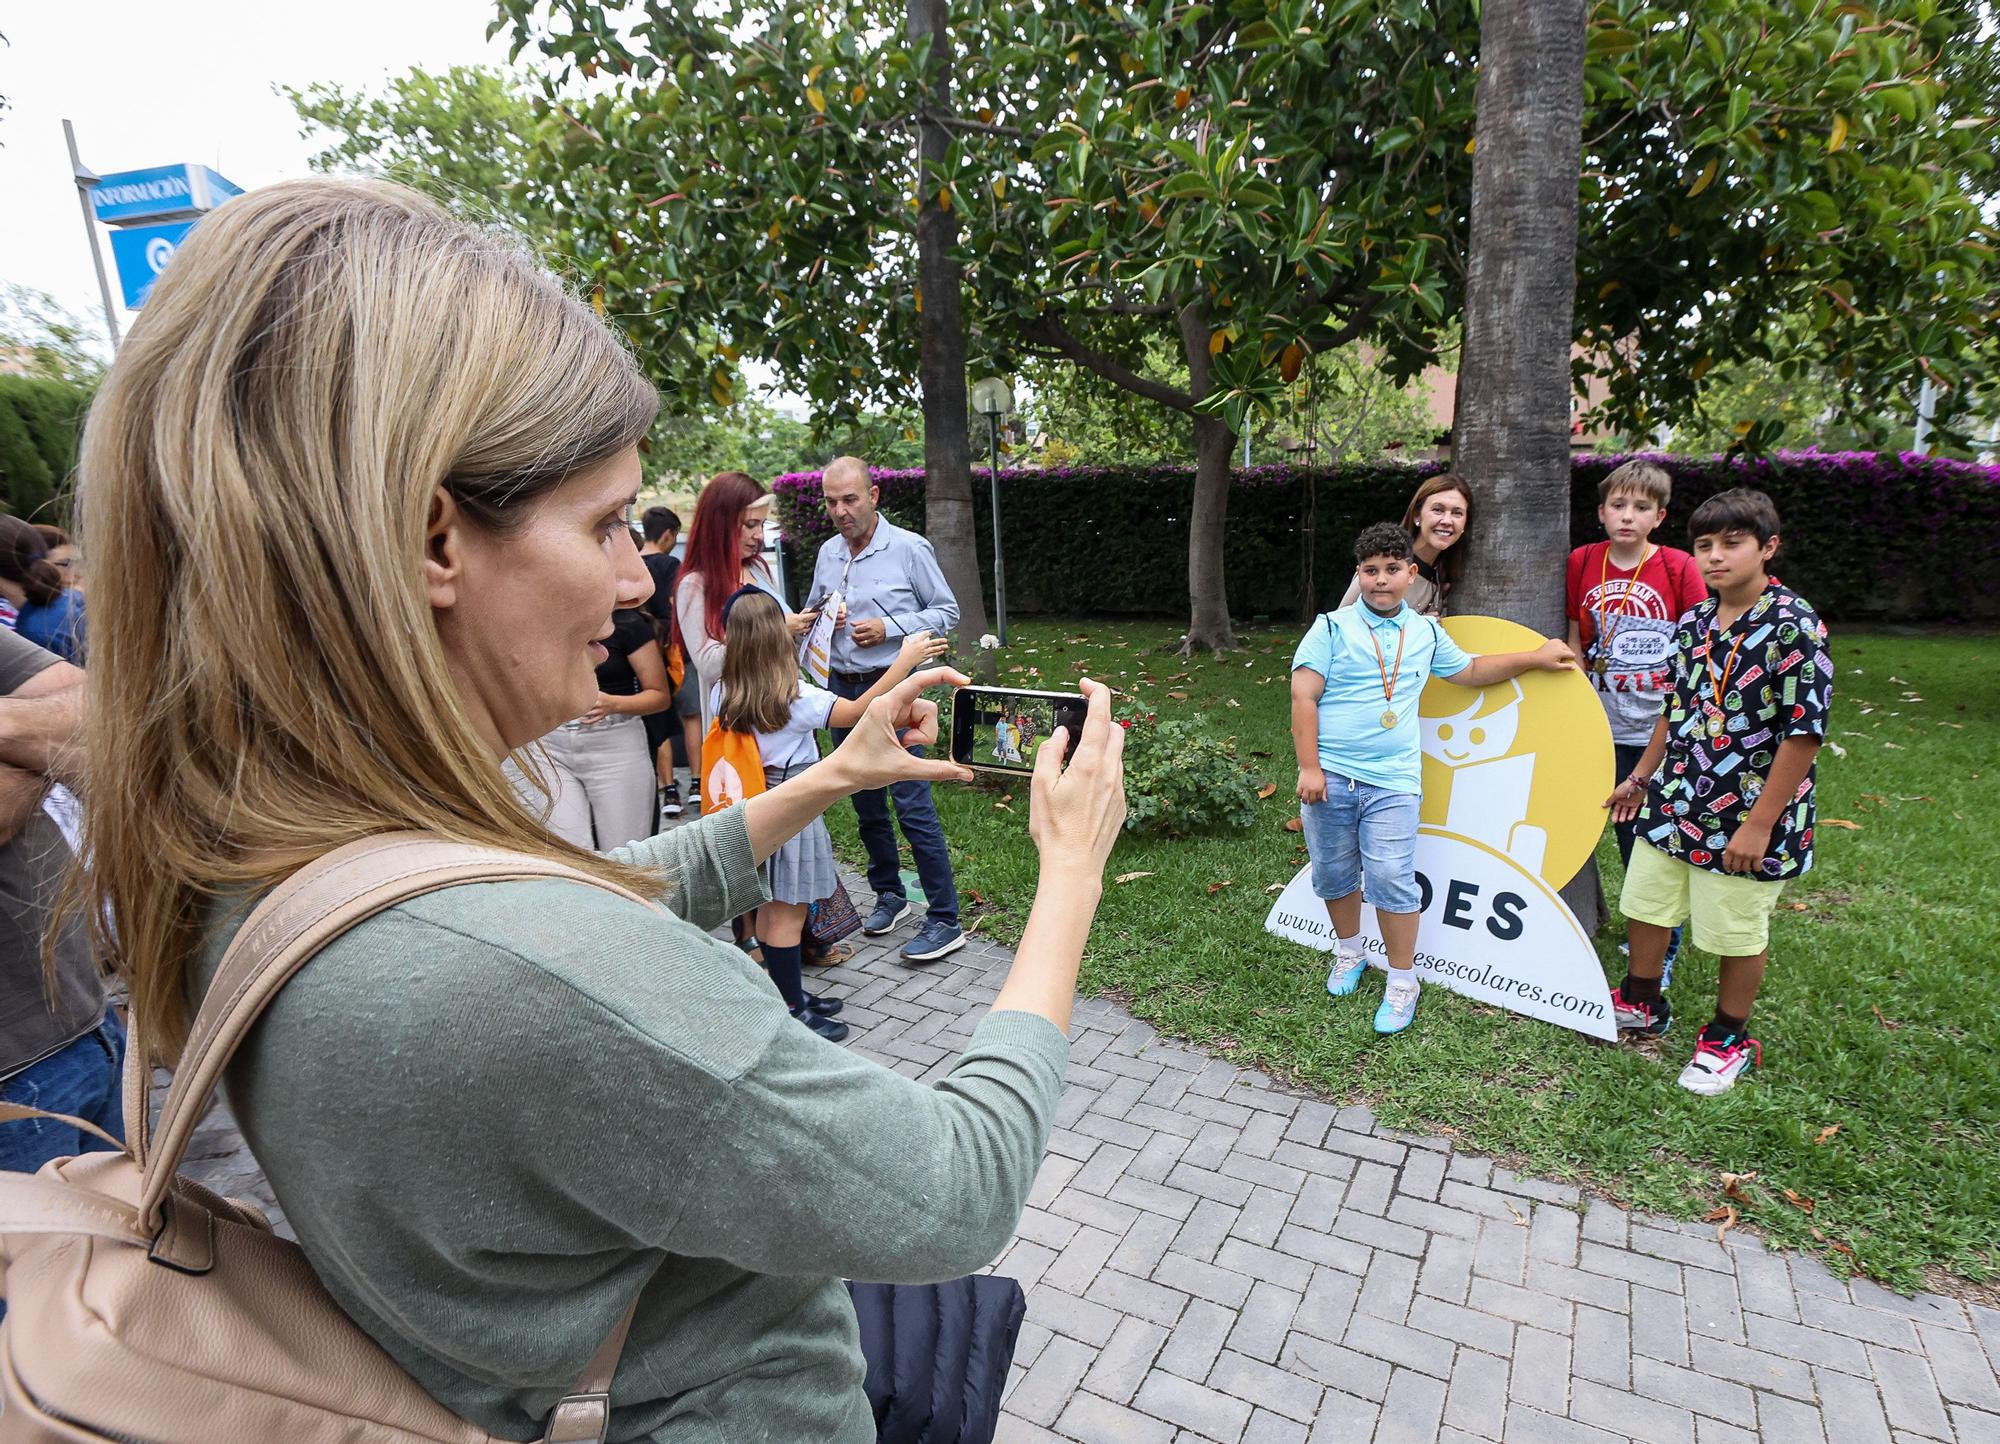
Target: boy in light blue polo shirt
{"points": [[1355, 680]]}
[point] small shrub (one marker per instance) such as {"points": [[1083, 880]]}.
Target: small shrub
{"points": [[1180, 778]]}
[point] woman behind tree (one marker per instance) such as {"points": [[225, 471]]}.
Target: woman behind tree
{"points": [[1437, 519]]}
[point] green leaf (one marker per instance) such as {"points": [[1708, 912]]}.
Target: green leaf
{"points": [[1186, 183], [1739, 109]]}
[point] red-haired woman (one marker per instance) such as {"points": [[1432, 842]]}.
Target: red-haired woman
{"points": [[725, 551]]}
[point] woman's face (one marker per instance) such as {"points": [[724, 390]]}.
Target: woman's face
{"points": [[1442, 519], [520, 614], [63, 559], [754, 517]]}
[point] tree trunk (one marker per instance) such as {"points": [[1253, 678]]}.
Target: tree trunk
{"points": [[941, 359], [1214, 445], [1510, 436], [1510, 430]]}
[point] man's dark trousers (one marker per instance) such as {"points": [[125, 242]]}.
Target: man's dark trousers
{"points": [[914, 811]]}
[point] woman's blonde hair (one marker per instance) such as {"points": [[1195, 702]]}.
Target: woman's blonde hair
{"points": [[266, 679], [760, 671]]}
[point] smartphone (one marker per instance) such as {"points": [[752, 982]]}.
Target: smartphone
{"points": [[996, 729]]}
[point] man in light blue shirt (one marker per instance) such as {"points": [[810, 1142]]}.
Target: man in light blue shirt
{"points": [[1355, 681], [890, 586]]}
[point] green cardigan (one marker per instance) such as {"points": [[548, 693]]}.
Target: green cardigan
{"points": [[496, 1113]]}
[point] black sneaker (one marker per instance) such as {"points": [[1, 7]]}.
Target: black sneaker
{"points": [[823, 1006], [831, 1029], [670, 801], [889, 911], [1648, 1020]]}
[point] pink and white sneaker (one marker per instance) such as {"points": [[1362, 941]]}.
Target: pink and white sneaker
{"points": [[1648, 1020], [1719, 1062]]}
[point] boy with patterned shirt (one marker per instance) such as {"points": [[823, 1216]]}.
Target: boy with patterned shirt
{"points": [[1729, 819]]}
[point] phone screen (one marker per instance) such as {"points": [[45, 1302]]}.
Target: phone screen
{"points": [[996, 729]]}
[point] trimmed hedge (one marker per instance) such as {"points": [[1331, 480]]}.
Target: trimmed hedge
{"points": [[41, 424], [1900, 537]]}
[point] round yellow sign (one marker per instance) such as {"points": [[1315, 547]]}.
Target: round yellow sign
{"points": [[1522, 767]]}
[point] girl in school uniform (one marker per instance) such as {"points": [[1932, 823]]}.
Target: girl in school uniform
{"points": [[761, 693]]}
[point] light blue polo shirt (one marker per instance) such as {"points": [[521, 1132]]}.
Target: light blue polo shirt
{"points": [[1352, 739]]}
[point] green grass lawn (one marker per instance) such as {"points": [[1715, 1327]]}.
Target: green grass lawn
{"points": [[1880, 1014]]}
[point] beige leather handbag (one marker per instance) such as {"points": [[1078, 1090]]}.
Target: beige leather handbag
{"points": [[141, 1307]]}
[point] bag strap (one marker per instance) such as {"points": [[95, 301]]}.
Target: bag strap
{"points": [[302, 915], [30, 1203], [9, 1112]]}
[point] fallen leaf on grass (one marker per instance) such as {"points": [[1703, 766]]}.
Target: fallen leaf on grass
{"points": [[1839, 1247], [1724, 1218], [1001, 807], [977, 923], [1295, 824], [1835, 748], [1231, 702], [1130, 876], [1796, 907], [1893, 746], [1275, 887], [1826, 1133], [1887, 1022], [1732, 1185], [1840, 822], [1216, 887], [1269, 789], [1921, 797], [1177, 696], [1799, 1201]]}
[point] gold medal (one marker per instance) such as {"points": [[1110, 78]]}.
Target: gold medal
{"points": [[1715, 726], [1389, 677]]}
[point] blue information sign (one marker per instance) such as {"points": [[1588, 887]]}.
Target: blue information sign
{"points": [[162, 193], [142, 252]]}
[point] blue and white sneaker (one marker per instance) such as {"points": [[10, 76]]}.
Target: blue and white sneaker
{"points": [[1347, 973], [889, 910], [934, 940], [1399, 1003]]}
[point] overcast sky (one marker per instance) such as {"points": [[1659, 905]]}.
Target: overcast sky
{"points": [[182, 80]]}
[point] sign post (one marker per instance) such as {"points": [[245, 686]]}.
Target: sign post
{"points": [[85, 181]]}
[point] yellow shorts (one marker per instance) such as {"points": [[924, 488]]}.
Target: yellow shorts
{"points": [[1730, 914]]}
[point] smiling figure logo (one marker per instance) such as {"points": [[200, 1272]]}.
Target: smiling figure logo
{"points": [[1489, 785], [1514, 766]]}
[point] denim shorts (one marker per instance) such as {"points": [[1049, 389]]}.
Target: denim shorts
{"points": [[1364, 830]]}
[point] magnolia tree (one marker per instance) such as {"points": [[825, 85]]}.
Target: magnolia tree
{"points": [[1255, 184]]}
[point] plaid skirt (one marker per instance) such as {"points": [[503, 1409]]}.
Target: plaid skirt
{"points": [[802, 870]]}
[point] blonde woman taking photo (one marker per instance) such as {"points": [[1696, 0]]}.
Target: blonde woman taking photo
{"points": [[357, 490]]}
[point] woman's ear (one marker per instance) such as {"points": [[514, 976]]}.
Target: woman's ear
{"points": [[443, 550]]}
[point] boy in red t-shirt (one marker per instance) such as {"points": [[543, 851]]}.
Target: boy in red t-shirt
{"points": [[1624, 596]]}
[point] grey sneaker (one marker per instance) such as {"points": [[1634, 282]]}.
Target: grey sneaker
{"points": [[934, 940]]}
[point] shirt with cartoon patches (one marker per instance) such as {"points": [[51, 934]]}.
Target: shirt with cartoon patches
{"points": [[1720, 749]]}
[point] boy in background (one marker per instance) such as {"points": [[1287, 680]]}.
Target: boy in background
{"points": [[1355, 680], [1624, 596], [1723, 794]]}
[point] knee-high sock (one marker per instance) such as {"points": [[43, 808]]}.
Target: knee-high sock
{"points": [[783, 964]]}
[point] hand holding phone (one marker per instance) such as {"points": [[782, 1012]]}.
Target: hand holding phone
{"points": [[996, 729]]}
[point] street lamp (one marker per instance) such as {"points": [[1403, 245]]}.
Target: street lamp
{"points": [[992, 399]]}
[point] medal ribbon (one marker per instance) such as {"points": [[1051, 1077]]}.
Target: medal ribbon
{"points": [[1719, 685], [1604, 633], [1382, 663]]}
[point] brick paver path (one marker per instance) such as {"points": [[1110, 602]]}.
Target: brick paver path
{"points": [[1212, 1257]]}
